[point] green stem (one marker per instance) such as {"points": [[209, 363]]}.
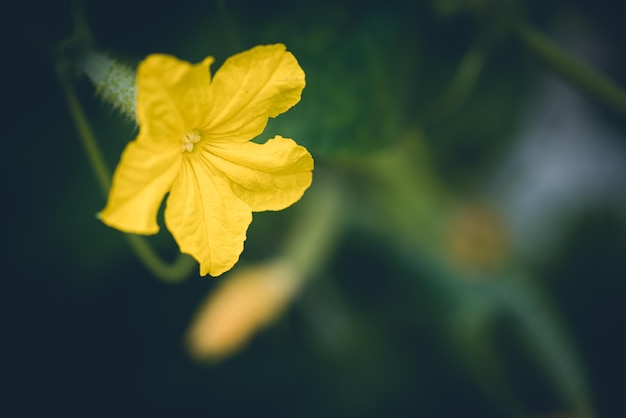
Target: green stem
{"points": [[173, 272], [590, 81], [87, 138], [318, 227], [547, 340], [183, 265], [464, 81]]}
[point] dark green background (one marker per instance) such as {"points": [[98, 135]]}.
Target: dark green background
{"points": [[89, 332]]}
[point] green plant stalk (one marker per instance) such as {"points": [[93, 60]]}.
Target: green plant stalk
{"points": [[183, 265], [547, 339], [464, 81], [87, 138], [588, 80], [318, 227]]}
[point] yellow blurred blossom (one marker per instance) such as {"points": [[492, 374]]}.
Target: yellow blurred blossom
{"points": [[246, 301], [476, 237], [194, 143]]}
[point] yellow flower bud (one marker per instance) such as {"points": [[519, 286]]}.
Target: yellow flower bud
{"points": [[247, 301]]}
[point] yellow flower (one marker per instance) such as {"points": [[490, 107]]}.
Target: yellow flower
{"points": [[194, 142]]}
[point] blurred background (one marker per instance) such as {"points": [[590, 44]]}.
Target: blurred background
{"points": [[461, 252]]}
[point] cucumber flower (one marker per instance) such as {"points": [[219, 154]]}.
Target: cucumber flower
{"points": [[194, 143]]}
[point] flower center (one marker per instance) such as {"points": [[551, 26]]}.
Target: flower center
{"points": [[189, 138]]}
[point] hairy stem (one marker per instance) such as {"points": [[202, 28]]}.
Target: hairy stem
{"points": [[588, 80]]}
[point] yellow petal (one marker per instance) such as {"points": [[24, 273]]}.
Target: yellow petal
{"points": [[172, 95], [268, 176], [206, 219], [251, 87], [144, 175]]}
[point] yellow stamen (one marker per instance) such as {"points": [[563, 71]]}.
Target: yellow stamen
{"points": [[189, 138]]}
